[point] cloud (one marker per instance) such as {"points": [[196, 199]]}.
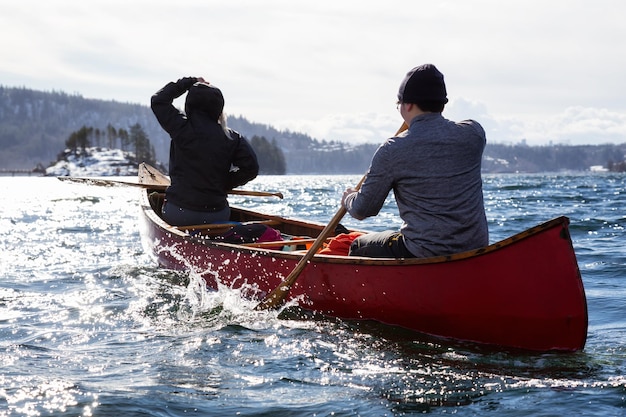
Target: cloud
{"points": [[577, 126], [531, 70], [574, 126], [352, 128]]}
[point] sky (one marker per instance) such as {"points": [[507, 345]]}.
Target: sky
{"points": [[534, 71]]}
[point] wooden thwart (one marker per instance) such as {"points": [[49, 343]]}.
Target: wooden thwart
{"points": [[294, 242], [223, 226]]}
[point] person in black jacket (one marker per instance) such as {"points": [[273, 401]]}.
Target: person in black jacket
{"points": [[207, 159]]}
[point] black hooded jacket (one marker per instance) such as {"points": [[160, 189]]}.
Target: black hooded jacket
{"points": [[204, 162]]}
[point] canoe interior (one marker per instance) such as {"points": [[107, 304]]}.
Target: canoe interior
{"points": [[293, 228], [288, 227]]}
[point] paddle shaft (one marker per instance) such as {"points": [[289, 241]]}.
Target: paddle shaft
{"points": [[278, 295], [157, 187]]}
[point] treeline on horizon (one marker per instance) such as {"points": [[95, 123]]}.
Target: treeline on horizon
{"points": [[35, 125], [136, 142]]}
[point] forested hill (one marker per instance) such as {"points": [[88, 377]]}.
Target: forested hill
{"points": [[35, 125]]}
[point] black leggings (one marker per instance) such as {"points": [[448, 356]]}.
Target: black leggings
{"points": [[178, 216]]}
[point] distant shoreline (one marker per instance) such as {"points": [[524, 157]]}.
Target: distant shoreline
{"points": [[21, 173]]}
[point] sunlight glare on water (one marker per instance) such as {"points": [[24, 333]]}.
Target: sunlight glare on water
{"points": [[89, 325]]}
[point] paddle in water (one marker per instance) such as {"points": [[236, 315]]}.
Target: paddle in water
{"points": [[278, 295]]}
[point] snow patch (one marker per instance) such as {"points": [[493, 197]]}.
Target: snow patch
{"points": [[94, 162]]}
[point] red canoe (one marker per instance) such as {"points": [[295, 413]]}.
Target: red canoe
{"points": [[524, 292]]}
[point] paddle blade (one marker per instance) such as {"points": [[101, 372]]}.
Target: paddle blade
{"points": [[101, 182], [274, 299]]}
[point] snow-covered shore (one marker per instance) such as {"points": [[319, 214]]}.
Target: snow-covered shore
{"points": [[94, 162]]}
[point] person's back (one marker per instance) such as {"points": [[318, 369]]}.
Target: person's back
{"points": [[206, 159], [200, 160], [434, 169]]}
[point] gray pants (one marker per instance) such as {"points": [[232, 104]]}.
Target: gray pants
{"points": [[178, 216], [388, 244]]}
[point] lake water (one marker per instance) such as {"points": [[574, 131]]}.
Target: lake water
{"points": [[89, 326]]}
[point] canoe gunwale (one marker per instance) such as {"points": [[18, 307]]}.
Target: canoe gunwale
{"points": [[562, 221]]}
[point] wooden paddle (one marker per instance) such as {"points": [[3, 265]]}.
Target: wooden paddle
{"points": [[277, 296], [156, 187]]}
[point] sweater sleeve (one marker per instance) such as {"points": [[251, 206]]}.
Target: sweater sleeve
{"points": [[370, 198], [168, 116], [244, 164]]}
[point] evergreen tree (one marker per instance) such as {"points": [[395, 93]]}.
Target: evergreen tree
{"points": [[278, 159], [80, 140], [98, 136], [144, 151], [270, 156], [111, 136], [124, 137]]}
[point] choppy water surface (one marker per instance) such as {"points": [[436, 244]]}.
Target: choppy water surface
{"points": [[90, 326]]}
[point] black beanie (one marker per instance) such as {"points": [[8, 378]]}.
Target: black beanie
{"points": [[423, 83], [204, 98]]}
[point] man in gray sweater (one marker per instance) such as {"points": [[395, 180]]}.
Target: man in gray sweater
{"points": [[434, 170]]}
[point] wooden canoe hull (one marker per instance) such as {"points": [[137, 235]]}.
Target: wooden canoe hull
{"points": [[524, 292]]}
